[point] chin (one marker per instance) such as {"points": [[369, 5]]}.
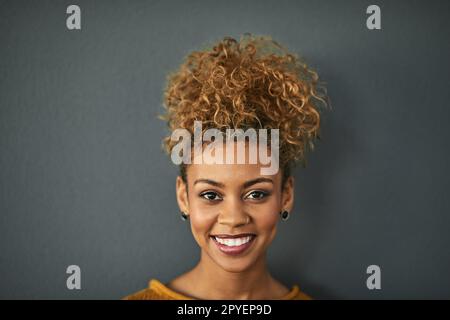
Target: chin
{"points": [[234, 266]]}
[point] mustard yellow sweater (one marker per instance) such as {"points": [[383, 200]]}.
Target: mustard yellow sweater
{"points": [[158, 291]]}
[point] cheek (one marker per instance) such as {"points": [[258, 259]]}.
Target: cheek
{"points": [[202, 221], [266, 217], [266, 220]]}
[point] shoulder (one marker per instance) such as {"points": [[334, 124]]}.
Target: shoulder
{"points": [[296, 294], [156, 290], [148, 293], [145, 294], [292, 293]]}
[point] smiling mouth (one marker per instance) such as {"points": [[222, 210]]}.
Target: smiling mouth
{"points": [[233, 244]]}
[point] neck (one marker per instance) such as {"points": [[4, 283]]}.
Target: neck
{"points": [[215, 283]]}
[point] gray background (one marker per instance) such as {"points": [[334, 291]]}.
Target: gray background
{"points": [[83, 179]]}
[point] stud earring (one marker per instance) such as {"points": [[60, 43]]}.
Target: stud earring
{"points": [[184, 216], [284, 215]]}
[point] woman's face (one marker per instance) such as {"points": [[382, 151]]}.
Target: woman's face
{"points": [[225, 200]]}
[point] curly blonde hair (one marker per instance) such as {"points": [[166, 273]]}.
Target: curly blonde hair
{"points": [[251, 83]]}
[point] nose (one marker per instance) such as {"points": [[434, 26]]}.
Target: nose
{"points": [[233, 214]]}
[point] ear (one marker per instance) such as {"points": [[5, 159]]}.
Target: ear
{"points": [[287, 197], [182, 196]]}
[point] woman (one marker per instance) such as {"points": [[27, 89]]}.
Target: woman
{"points": [[233, 209]]}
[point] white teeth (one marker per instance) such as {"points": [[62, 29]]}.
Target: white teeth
{"points": [[233, 242]]}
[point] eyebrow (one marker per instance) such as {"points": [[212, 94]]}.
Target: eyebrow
{"points": [[246, 184]]}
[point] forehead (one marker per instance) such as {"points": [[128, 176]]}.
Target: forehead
{"points": [[229, 173]]}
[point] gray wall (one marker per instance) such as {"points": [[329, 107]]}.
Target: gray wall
{"points": [[83, 179]]}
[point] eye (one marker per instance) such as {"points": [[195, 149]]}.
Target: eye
{"points": [[257, 195], [210, 196]]}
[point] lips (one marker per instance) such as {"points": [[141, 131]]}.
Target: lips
{"points": [[233, 244]]}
